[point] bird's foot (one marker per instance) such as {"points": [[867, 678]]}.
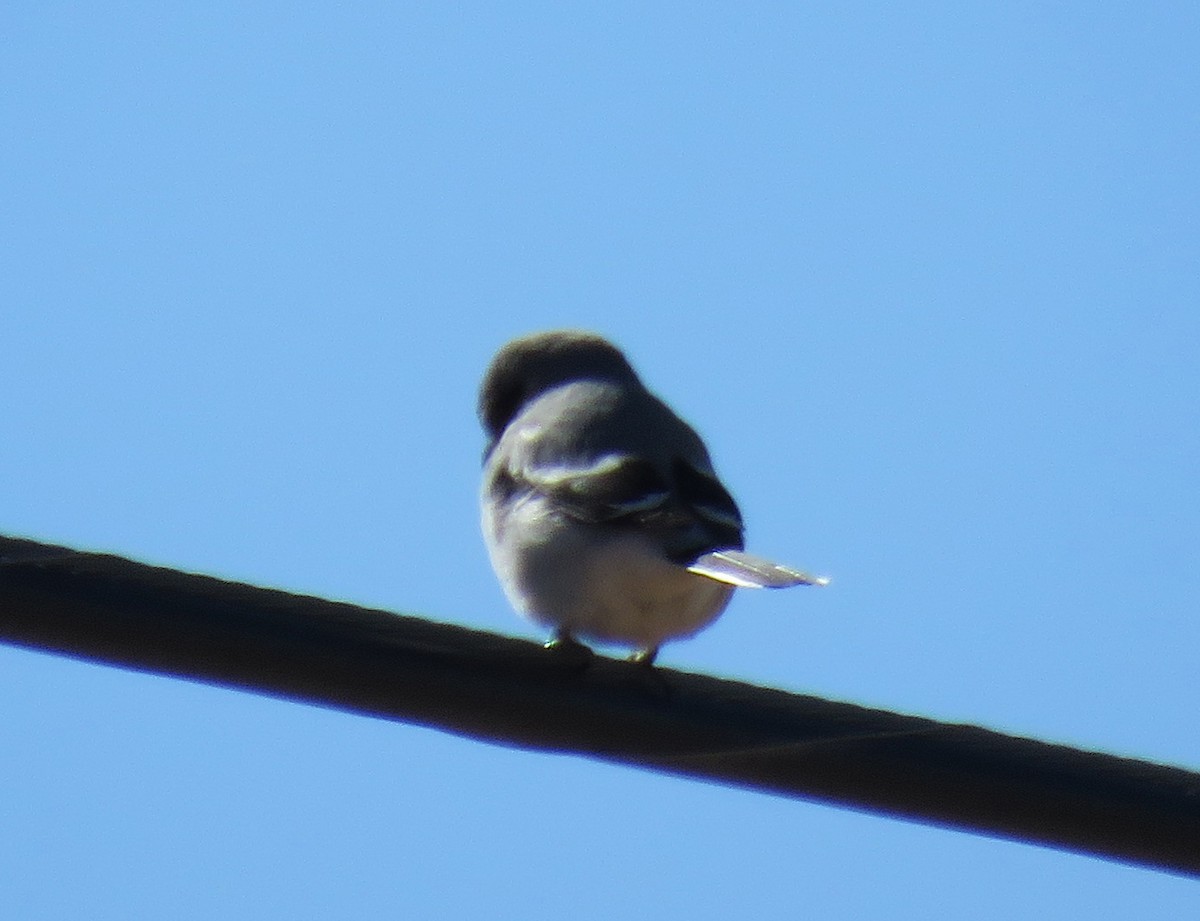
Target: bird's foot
{"points": [[565, 645], [645, 657]]}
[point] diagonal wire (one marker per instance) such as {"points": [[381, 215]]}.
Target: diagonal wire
{"points": [[513, 692]]}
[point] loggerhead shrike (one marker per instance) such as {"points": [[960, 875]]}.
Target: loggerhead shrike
{"points": [[601, 511]]}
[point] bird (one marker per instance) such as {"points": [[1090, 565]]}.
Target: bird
{"points": [[601, 511]]}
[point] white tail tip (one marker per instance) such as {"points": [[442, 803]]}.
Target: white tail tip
{"points": [[745, 570]]}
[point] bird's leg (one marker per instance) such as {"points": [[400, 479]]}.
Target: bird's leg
{"points": [[564, 644], [645, 657]]}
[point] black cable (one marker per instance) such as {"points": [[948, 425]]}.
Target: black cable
{"points": [[514, 692]]}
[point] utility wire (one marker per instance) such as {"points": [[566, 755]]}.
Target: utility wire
{"points": [[514, 692]]}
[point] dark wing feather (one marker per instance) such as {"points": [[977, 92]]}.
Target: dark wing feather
{"points": [[703, 494]]}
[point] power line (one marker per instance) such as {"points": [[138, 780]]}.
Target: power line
{"points": [[513, 692]]}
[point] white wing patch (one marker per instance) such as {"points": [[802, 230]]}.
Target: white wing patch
{"points": [[613, 486]]}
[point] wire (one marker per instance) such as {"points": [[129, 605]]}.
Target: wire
{"points": [[514, 692]]}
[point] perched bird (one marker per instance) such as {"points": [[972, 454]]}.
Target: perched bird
{"points": [[601, 511]]}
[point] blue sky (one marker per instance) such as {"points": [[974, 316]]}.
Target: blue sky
{"points": [[925, 278]]}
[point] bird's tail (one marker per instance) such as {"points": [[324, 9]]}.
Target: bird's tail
{"points": [[745, 570]]}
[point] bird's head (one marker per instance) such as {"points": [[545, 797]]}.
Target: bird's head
{"points": [[527, 367]]}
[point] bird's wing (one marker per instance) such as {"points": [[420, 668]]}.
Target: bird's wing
{"points": [[692, 511], [702, 493], [611, 487]]}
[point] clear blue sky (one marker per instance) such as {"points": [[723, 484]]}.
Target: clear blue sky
{"points": [[928, 280]]}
